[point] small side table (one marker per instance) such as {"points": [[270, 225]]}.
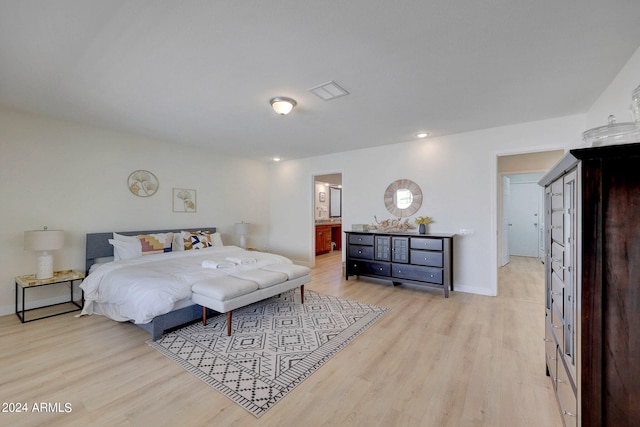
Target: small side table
{"points": [[59, 277]]}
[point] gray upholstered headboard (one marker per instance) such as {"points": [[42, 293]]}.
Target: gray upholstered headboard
{"points": [[98, 243]]}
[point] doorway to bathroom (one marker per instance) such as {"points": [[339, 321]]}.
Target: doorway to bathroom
{"points": [[327, 213]]}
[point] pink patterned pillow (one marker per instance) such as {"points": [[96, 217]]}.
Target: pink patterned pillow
{"points": [[155, 243]]}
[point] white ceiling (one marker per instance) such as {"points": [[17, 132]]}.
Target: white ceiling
{"points": [[202, 72]]}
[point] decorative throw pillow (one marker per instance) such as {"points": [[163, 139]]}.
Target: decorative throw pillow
{"points": [[155, 243], [197, 240], [216, 239]]}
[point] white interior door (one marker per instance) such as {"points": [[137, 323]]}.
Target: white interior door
{"points": [[524, 219], [506, 191]]}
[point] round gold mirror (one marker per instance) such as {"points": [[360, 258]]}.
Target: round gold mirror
{"points": [[403, 198]]}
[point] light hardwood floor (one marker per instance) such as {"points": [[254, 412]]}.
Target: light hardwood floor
{"points": [[468, 360]]}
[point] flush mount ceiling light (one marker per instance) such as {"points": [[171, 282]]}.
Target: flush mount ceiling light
{"points": [[282, 105]]}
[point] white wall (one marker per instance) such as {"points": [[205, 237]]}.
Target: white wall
{"points": [[458, 177], [74, 178], [616, 99]]}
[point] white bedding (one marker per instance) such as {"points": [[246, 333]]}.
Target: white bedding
{"points": [[142, 288]]}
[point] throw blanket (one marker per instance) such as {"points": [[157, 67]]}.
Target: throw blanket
{"points": [[142, 288]]}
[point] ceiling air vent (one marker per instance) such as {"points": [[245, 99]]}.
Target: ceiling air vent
{"points": [[328, 91]]}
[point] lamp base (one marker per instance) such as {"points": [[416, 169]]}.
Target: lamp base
{"points": [[243, 241], [44, 268]]}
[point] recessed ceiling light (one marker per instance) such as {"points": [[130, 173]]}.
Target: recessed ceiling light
{"points": [[276, 159], [422, 134]]}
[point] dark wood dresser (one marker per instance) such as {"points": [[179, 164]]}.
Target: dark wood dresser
{"points": [[592, 233], [422, 259]]}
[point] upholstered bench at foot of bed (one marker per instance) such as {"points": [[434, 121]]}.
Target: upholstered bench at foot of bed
{"points": [[225, 294]]}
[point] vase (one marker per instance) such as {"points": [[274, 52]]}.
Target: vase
{"points": [[422, 229]]}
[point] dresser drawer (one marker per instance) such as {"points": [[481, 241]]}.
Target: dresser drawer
{"points": [[361, 239], [423, 274], [566, 397], [557, 194], [433, 259], [367, 267], [557, 293], [362, 252], [426, 243], [557, 259], [551, 351], [557, 323], [557, 226]]}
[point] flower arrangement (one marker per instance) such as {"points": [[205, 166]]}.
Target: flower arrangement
{"points": [[424, 220]]}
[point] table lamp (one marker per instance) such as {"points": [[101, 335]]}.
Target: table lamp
{"points": [[242, 229], [44, 240]]}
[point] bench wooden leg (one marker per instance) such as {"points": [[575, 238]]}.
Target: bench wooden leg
{"points": [[204, 316], [302, 293], [229, 315]]}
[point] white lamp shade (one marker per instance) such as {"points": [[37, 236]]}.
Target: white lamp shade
{"points": [[242, 228], [43, 240]]}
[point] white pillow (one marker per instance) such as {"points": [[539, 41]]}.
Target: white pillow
{"points": [[123, 238], [126, 248], [178, 241], [216, 239]]}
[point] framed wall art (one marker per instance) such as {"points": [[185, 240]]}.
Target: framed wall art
{"points": [[184, 200], [142, 183]]}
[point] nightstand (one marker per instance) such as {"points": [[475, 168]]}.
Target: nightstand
{"points": [[59, 278]]}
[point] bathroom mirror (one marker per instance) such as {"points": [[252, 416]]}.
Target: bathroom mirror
{"points": [[403, 198], [335, 202]]}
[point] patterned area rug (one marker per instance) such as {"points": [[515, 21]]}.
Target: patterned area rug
{"points": [[275, 344]]}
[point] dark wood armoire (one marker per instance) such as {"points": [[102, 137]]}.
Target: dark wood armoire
{"points": [[592, 223]]}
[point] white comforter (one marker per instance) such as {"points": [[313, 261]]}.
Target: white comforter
{"points": [[143, 288]]}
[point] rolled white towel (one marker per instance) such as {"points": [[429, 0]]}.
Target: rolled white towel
{"points": [[242, 260], [207, 263]]}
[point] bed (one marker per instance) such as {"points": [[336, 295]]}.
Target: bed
{"points": [[154, 291]]}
